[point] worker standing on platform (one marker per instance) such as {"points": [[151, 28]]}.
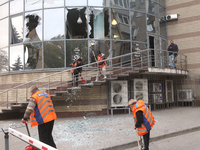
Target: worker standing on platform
{"points": [[144, 120], [101, 65], [42, 114]]}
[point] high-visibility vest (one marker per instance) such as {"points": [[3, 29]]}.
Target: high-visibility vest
{"points": [[100, 59], [148, 119], [73, 66], [44, 111]]}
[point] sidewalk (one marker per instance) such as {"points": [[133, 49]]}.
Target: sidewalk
{"points": [[109, 132]]}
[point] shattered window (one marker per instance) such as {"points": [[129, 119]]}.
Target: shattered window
{"points": [[33, 55], [53, 25], [120, 24], [33, 26], [16, 30], [76, 25], [98, 23]]}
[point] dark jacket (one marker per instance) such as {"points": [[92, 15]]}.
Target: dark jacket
{"points": [[78, 70], [173, 49]]}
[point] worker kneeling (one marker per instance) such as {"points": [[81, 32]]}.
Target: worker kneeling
{"points": [[144, 120]]}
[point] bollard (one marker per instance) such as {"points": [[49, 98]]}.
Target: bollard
{"points": [[6, 137]]}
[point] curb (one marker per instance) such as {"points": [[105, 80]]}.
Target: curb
{"points": [[153, 139]]}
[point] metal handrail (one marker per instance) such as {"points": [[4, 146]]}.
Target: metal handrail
{"points": [[121, 63]]}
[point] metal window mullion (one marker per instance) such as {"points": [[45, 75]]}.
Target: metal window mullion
{"points": [[42, 34]]}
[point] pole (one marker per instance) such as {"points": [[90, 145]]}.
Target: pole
{"points": [[6, 137], [136, 133]]}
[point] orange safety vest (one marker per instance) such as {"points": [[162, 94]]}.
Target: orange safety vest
{"points": [[100, 59], [148, 119], [44, 111], [73, 66]]}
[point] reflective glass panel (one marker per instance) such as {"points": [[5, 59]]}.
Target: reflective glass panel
{"points": [[153, 7], [120, 3], [4, 33], [16, 6], [138, 26], [137, 5], [3, 1], [4, 10], [53, 3], [105, 3], [53, 25], [151, 23], [163, 28], [75, 2], [120, 24], [4, 60], [16, 58], [33, 26], [121, 48], [16, 30], [33, 55], [33, 4], [76, 49], [98, 23], [54, 54], [76, 26], [99, 45], [162, 2], [162, 11]]}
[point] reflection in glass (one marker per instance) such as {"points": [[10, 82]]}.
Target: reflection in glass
{"points": [[33, 55], [16, 58], [163, 28], [53, 3], [3, 1], [99, 3], [16, 30], [138, 26], [75, 2], [16, 6], [162, 2], [4, 33], [122, 29], [137, 5], [75, 29], [99, 23], [153, 7], [4, 60], [54, 54], [33, 23], [121, 48], [162, 11], [4, 10], [120, 3], [53, 25], [76, 49], [99, 45], [33, 4]]}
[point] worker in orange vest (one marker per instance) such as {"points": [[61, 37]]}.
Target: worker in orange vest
{"points": [[101, 65], [76, 72], [42, 114], [144, 120]]}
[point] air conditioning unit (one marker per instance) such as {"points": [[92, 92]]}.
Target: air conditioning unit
{"points": [[157, 98], [141, 89], [119, 93], [184, 95], [157, 87], [171, 17]]}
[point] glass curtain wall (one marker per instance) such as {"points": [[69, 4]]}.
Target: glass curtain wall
{"points": [[45, 34]]}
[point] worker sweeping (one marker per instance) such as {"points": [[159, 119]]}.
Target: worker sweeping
{"points": [[42, 114], [144, 120]]}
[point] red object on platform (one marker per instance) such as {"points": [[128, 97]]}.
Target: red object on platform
{"points": [[83, 80], [30, 147]]}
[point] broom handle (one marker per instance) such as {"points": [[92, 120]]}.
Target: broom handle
{"points": [[138, 140], [27, 129]]}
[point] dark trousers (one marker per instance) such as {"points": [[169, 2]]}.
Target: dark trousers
{"points": [[75, 78], [45, 133], [146, 141]]}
